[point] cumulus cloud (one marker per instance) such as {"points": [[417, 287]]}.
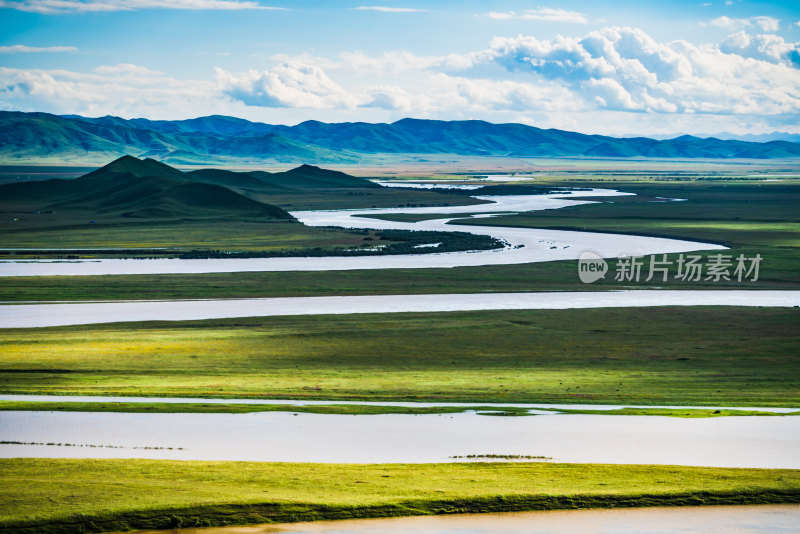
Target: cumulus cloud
{"points": [[125, 90], [391, 97], [625, 69], [543, 13], [480, 94], [764, 47], [22, 49], [54, 7], [290, 84], [767, 24], [384, 9]]}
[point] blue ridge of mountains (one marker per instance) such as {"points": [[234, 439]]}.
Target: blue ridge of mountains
{"points": [[220, 139]]}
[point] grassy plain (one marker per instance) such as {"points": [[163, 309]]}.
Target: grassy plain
{"points": [[653, 356], [185, 235], [54, 496]]}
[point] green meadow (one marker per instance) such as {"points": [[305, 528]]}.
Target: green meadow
{"points": [[55, 496], [650, 356]]}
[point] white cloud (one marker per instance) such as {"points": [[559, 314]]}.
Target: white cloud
{"points": [[127, 69], [480, 95], [384, 9], [391, 97], [290, 84], [543, 13], [16, 49], [625, 69], [764, 47], [767, 24], [88, 6], [403, 61], [124, 90]]}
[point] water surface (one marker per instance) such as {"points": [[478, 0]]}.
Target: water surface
{"points": [[768, 442], [42, 315], [753, 519]]}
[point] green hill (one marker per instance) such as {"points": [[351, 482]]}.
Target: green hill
{"points": [[311, 177], [130, 187], [305, 178]]}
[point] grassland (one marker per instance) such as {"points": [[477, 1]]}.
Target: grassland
{"points": [[232, 235], [656, 356], [55, 496]]}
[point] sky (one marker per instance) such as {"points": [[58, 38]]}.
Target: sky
{"points": [[617, 68]]}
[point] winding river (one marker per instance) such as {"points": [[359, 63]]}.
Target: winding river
{"points": [[526, 245]]}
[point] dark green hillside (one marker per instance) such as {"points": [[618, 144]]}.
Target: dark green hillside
{"points": [[159, 198], [128, 166], [303, 178], [311, 177], [231, 179], [130, 187]]}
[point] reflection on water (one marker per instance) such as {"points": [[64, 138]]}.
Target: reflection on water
{"points": [[769, 442], [760, 519]]}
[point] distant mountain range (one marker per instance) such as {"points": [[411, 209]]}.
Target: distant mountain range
{"points": [[753, 138], [41, 137], [130, 187]]}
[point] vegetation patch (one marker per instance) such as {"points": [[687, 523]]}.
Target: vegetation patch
{"points": [[669, 356], [74, 495]]}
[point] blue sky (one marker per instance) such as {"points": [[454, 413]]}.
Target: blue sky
{"points": [[597, 67]]}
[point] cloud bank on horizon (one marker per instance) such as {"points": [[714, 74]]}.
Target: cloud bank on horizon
{"points": [[551, 67]]}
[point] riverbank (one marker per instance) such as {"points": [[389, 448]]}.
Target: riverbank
{"points": [[144, 406], [55, 496]]}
